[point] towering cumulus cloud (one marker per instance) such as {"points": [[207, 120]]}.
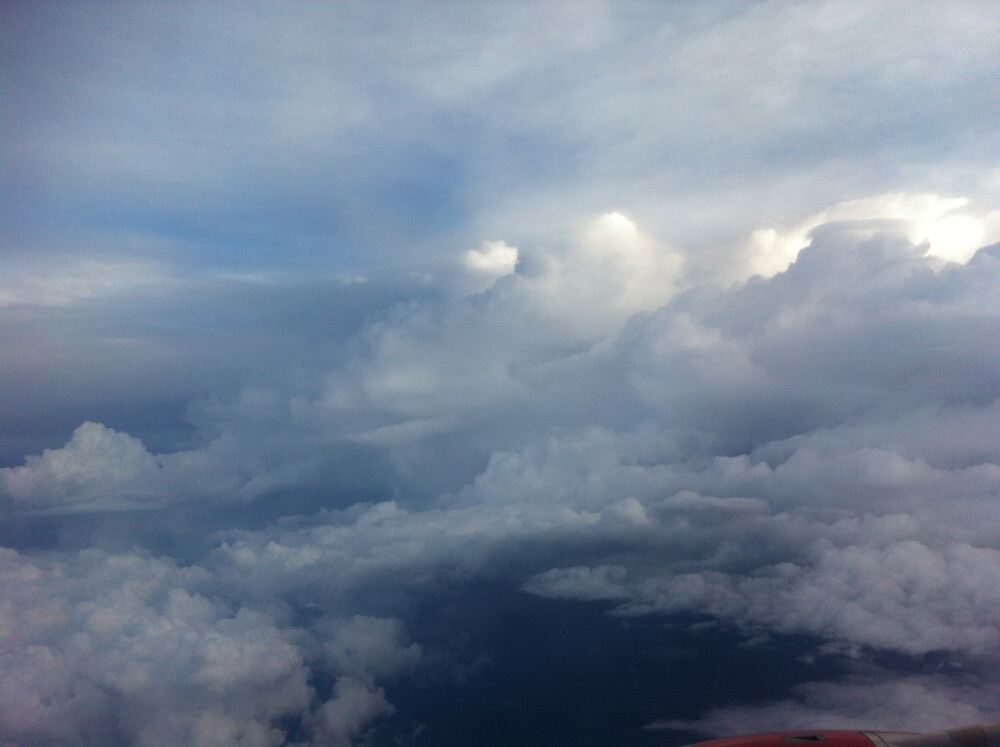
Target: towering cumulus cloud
{"points": [[813, 454], [443, 374]]}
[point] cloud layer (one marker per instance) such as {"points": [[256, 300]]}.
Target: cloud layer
{"points": [[339, 342], [813, 453]]}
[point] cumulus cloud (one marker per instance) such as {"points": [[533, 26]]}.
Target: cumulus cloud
{"points": [[355, 705], [435, 368], [728, 351], [903, 597], [934, 222], [809, 454], [102, 469], [85, 636], [130, 649], [492, 261], [369, 648]]}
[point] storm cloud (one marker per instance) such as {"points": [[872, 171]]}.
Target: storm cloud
{"points": [[574, 373]]}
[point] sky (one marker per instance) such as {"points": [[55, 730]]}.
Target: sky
{"points": [[533, 373]]}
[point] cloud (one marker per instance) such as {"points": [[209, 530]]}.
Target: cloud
{"points": [[130, 649], [494, 260], [905, 596], [74, 281], [331, 128], [96, 463], [370, 648], [921, 704], [437, 367], [580, 583], [102, 469], [343, 718], [803, 334], [926, 220], [728, 351], [85, 636], [809, 454]]}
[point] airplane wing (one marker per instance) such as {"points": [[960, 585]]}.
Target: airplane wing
{"points": [[967, 736]]}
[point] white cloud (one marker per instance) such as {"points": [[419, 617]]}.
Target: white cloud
{"points": [[494, 260], [925, 219], [102, 469], [105, 648], [904, 596], [97, 465], [609, 272], [915, 704], [124, 629], [438, 367]]}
